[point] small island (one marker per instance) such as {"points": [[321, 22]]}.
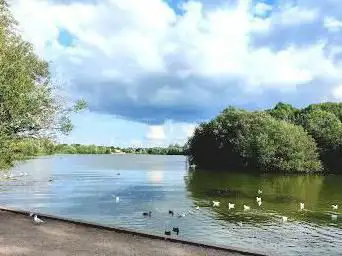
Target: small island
{"points": [[284, 139]]}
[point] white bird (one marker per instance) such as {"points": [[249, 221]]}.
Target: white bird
{"points": [[239, 223], [197, 207], [258, 199], [117, 199], [231, 206], [31, 214], [301, 206], [246, 208], [335, 207], [193, 166], [284, 219], [37, 220], [259, 203], [259, 191], [334, 217], [216, 203]]}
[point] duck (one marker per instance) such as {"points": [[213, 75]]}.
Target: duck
{"points": [[231, 206], [216, 203], [335, 207], [246, 207], [171, 212], [147, 213], [176, 230]]}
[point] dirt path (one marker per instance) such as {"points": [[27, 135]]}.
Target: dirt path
{"points": [[19, 236]]}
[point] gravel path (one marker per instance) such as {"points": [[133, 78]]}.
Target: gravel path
{"points": [[20, 236]]}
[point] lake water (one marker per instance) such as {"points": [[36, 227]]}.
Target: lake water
{"points": [[86, 186]]}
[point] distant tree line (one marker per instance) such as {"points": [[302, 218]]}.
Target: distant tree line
{"points": [[35, 147], [282, 139]]}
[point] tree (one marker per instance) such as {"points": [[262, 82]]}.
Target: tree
{"points": [[29, 104], [284, 112]]}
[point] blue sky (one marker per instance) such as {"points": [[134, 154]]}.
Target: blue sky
{"points": [[151, 70]]}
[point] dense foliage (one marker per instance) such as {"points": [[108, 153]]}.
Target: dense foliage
{"points": [[29, 104], [34, 147], [284, 139]]}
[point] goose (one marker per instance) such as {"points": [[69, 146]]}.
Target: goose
{"points": [[334, 217], [176, 230], [246, 207], [171, 212], [168, 233], [231, 206], [259, 203], [216, 203], [301, 206], [259, 191], [258, 199], [37, 220], [147, 213], [335, 207], [284, 219]]}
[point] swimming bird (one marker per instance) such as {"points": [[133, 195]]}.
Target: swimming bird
{"points": [[197, 207], [171, 212], [258, 199], [176, 230], [284, 218], [333, 216], [301, 206], [259, 191], [335, 207], [259, 203], [168, 233], [231, 206], [216, 203], [246, 207], [147, 213], [36, 220]]}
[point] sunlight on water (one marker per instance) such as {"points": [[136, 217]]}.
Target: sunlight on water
{"points": [[117, 189]]}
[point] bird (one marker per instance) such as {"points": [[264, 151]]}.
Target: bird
{"points": [[231, 206], [284, 218], [259, 203], [147, 213], [239, 223], [176, 230], [301, 206], [37, 220], [50, 180], [181, 215], [168, 233], [117, 199], [258, 199], [118, 173], [334, 217], [31, 214], [259, 191], [193, 166], [246, 208], [335, 207], [197, 207], [216, 203], [171, 212]]}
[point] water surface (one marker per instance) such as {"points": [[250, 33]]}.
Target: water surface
{"points": [[86, 186]]}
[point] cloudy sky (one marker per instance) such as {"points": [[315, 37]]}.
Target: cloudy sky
{"points": [[151, 69]]}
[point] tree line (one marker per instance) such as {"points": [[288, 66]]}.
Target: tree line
{"points": [[34, 147], [281, 139]]}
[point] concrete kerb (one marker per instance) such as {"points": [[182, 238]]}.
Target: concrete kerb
{"points": [[136, 233]]}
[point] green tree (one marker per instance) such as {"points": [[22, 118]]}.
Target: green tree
{"points": [[29, 104], [284, 112]]}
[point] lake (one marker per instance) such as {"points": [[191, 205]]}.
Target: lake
{"points": [[86, 186]]}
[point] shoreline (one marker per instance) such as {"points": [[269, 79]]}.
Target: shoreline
{"points": [[17, 227]]}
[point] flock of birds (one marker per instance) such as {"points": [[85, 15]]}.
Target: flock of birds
{"points": [[259, 202]]}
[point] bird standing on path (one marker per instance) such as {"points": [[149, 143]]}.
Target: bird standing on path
{"points": [[36, 220]]}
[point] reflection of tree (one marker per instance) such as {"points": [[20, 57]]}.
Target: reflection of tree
{"points": [[281, 194]]}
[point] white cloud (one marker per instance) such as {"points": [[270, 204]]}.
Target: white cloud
{"points": [[337, 93], [156, 133], [142, 55], [262, 9]]}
